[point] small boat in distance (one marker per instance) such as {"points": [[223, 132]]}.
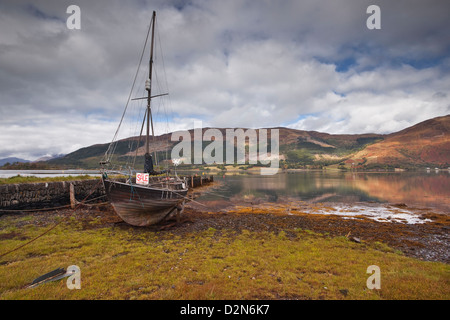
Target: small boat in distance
{"points": [[147, 197]]}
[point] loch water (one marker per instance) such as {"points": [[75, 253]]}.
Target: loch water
{"points": [[418, 189]]}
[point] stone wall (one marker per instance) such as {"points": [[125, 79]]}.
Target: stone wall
{"points": [[47, 194], [55, 194], [197, 181]]}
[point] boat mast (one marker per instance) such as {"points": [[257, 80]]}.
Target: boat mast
{"points": [[149, 90]]}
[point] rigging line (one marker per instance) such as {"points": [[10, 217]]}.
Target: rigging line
{"points": [[140, 136], [215, 194], [158, 54], [162, 58], [132, 89], [115, 143], [165, 79], [132, 133], [131, 158], [165, 106], [164, 70], [163, 102], [157, 111], [129, 96], [189, 199]]}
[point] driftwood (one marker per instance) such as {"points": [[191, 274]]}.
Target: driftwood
{"points": [[51, 276]]}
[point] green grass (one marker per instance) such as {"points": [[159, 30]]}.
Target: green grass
{"points": [[31, 179], [135, 263]]}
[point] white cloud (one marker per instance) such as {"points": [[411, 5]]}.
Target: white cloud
{"points": [[380, 101], [228, 63]]}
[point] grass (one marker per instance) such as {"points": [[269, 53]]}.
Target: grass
{"points": [[135, 263], [31, 179]]}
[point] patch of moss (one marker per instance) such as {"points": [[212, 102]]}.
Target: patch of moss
{"points": [[136, 263]]}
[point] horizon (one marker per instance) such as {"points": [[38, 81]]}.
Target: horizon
{"points": [[305, 65], [223, 128]]}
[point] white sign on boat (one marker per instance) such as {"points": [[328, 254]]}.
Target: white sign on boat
{"points": [[142, 178]]}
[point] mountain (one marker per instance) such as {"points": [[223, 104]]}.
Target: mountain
{"points": [[321, 146], [12, 160], [49, 157], [424, 144]]}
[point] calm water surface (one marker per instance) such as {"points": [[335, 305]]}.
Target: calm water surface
{"points": [[421, 189]]}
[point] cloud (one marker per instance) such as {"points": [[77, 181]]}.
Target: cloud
{"points": [[381, 101], [311, 65]]}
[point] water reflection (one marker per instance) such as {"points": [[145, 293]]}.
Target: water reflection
{"points": [[428, 189], [418, 189]]}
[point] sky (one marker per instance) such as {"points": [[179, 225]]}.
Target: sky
{"points": [[303, 64]]}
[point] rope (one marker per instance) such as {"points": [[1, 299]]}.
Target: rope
{"points": [[51, 228], [67, 217], [33, 210], [139, 141], [164, 105], [216, 194], [46, 209], [189, 199], [128, 101]]}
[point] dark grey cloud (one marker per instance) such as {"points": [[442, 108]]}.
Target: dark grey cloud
{"points": [[306, 64]]}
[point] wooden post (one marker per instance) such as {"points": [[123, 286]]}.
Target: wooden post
{"points": [[180, 210], [72, 196]]}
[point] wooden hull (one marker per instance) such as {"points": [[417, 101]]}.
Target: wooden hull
{"points": [[141, 205]]}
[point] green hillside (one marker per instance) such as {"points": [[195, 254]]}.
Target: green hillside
{"points": [[297, 149], [423, 145]]}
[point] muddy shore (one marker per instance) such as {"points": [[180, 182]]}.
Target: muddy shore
{"points": [[426, 241]]}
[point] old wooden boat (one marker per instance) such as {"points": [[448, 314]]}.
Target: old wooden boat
{"points": [[147, 197], [141, 205]]}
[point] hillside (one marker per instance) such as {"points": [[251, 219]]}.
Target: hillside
{"points": [[320, 147], [426, 144], [12, 160]]}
